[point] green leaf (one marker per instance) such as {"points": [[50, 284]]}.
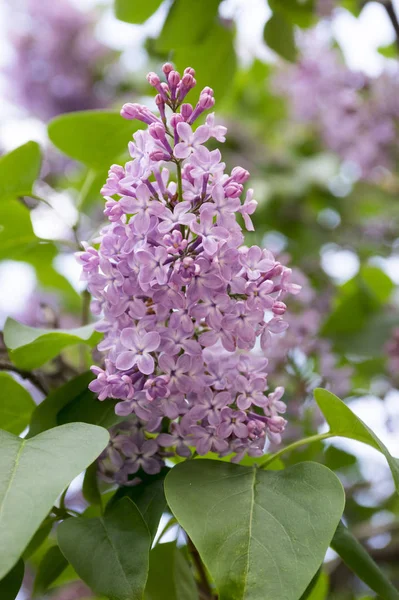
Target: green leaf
{"points": [[298, 12], [90, 489], [261, 534], [360, 562], [135, 11], [96, 138], [149, 497], [279, 36], [19, 170], [110, 553], [16, 405], [318, 588], [344, 423], [390, 51], [40, 536], [31, 347], [89, 409], [11, 583], [187, 24], [50, 568], [170, 575], [33, 473], [214, 60], [16, 231], [45, 414]]}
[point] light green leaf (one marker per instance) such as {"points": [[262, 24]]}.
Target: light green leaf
{"points": [[187, 24], [135, 11], [261, 534], [390, 51], [19, 170], [214, 61], [110, 553], [11, 583], [360, 562], [33, 473], [318, 588], [344, 423], [31, 347], [50, 568], [170, 575], [279, 36], [149, 497], [16, 405], [96, 138]]}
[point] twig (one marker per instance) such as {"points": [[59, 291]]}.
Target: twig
{"points": [[5, 366], [388, 5]]}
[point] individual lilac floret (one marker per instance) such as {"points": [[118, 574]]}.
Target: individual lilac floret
{"points": [[55, 58], [188, 312]]}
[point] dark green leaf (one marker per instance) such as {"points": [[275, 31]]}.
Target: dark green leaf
{"points": [[95, 137], [41, 534], [16, 405], [149, 497], [261, 534], [335, 458], [135, 11], [19, 170], [11, 583], [360, 562], [31, 347], [188, 23], [32, 475], [170, 575], [344, 423], [299, 12], [51, 566], [89, 409], [214, 60], [45, 415], [110, 553], [279, 36], [90, 488]]}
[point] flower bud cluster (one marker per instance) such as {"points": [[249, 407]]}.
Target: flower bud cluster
{"points": [[187, 310]]}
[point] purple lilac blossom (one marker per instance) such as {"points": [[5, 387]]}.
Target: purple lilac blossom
{"points": [[55, 57], [182, 301], [355, 115]]}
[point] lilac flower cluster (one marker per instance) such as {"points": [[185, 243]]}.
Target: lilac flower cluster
{"points": [[355, 115], [183, 301], [55, 58]]}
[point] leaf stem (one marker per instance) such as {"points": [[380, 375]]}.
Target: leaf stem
{"points": [[309, 440], [179, 181]]}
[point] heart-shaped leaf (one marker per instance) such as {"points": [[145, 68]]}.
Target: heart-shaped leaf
{"points": [[16, 405], [11, 583], [344, 423], [110, 553], [94, 137], [33, 473], [261, 534], [18, 170], [31, 347]]}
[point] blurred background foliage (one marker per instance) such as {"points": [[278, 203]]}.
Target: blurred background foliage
{"points": [[319, 134]]}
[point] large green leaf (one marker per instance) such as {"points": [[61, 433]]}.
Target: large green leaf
{"points": [[261, 534], [16, 405], [135, 11], [214, 60], [149, 497], [33, 473], [170, 575], [360, 562], [11, 583], [96, 138], [344, 423], [19, 170], [187, 24], [279, 36], [50, 568], [31, 347], [16, 231], [110, 553]]}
